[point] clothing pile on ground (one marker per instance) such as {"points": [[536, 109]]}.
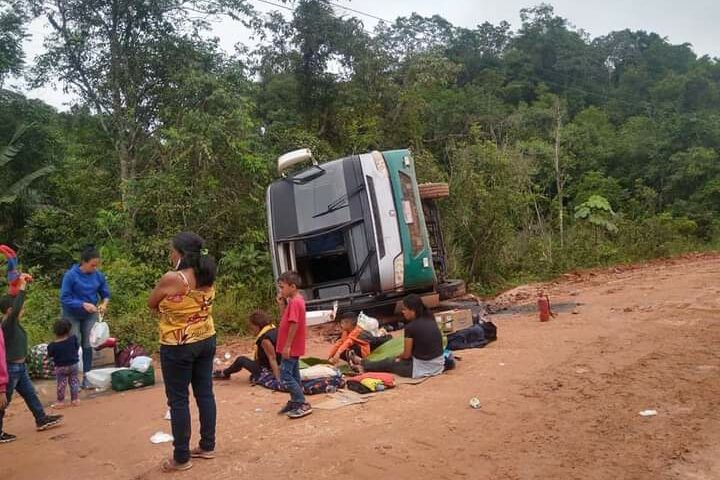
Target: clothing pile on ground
{"points": [[369, 382], [39, 364], [316, 379]]}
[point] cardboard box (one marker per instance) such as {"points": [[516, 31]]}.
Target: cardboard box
{"points": [[430, 300], [449, 320], [104, 357]]}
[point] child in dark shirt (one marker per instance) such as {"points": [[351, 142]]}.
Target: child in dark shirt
{"points": [[64, 352], [265, 359]]}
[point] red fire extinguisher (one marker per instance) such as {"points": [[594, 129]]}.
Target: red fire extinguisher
{"points": [[544, 308]]}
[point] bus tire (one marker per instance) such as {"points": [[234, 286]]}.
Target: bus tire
{"points": [[451, 289], [434, 191]]}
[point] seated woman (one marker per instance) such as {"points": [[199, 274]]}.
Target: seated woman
{"points": [[423, 353], [265, 361]]}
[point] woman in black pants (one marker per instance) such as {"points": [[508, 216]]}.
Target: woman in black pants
{"points": [[423, 352], [183, 298]]}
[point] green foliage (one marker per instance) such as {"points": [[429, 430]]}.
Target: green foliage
{"points": [[8, 152], [597, 211], [490, 198], [12, 35]]}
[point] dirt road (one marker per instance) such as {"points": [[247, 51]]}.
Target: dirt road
{"points": [[560, 400]]}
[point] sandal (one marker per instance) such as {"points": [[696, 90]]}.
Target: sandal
{"points": [[355, 362], [170, 465], [353, 359]]}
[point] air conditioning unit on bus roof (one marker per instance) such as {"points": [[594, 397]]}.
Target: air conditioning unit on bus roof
{"points": [[295, 157]]}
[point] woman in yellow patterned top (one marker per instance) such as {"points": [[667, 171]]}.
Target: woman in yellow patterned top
{"points": [[183, 299]]}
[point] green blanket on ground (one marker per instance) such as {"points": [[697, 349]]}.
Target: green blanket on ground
{"points": [[393, 348], [390, 349], [310, 361]]}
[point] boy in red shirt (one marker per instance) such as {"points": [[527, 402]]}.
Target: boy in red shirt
{"points": [[291, 343]]}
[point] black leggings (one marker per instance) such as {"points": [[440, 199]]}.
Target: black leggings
{"points": [[403, 368], [243, 362]]}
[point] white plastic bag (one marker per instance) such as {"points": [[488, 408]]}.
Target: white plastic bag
{"points": [[140, 364], [369, 324], [99, 334], [161, 437], [101, 378]]}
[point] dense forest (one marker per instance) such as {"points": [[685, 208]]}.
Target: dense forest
{"points": [[561, 150]]}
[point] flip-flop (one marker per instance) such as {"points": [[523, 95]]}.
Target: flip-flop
{"points": [[353, 359], [171, 465]]}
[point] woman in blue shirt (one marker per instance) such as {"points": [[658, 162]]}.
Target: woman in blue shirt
{"points": [[83, 286]]}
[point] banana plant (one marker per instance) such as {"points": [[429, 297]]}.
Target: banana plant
{"points": [[9, 193]]}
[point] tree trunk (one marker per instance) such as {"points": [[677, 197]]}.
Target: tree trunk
{"points": [[558, 177]]}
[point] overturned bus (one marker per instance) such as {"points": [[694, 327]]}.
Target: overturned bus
{"points": [[358, 230]]}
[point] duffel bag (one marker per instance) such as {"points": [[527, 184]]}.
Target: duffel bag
{"points": [[128, 379]]}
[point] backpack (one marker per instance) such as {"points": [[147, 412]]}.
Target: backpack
{"points": [[471, 337], [128, 353], [490, 331]]}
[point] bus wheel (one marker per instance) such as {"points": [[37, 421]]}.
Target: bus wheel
{"points": [[451, 289], [434, 191]]}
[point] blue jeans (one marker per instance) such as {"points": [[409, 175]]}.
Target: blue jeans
{"points": [[82, 325], [20, 380], [182, 366], [290, 379]]}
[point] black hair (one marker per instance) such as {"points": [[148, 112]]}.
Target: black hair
{"points": [[6, 303], [89, 252], [260, 318], [349, 317], [62, 327], [291, 278], [414, 302], [194, 255]]}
